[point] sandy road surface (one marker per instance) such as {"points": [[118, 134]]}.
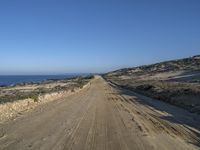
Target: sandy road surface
{"points": [[102, 117]]}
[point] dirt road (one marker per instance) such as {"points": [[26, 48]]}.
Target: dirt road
{"points": [[102, 117]]}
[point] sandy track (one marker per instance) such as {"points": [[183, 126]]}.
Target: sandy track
{"points": [[102, 117]]}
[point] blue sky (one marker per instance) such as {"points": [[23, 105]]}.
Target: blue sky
{"points": [[71, 36]]}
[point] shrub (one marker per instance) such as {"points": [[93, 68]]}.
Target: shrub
{"points": [[34, 97]]}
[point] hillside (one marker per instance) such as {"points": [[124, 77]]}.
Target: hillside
{"points": [[176, 82]]}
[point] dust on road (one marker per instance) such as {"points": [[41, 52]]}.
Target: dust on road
{"points": [[102, 117]]}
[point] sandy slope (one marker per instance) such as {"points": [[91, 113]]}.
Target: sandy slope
{"points": [[102, 117]]}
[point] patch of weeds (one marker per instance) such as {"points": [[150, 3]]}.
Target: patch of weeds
{"points": [[34, 97]]}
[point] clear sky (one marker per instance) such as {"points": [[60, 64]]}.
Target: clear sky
{"points": [[71, 36]]}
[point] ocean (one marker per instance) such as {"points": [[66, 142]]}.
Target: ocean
{"points": [[15, 79]]}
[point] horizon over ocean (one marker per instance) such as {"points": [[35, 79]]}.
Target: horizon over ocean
{"points": [[6, 80]]}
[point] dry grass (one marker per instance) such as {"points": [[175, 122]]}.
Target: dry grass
{"points": [[33, 91]]}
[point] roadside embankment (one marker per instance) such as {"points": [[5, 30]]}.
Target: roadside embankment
{"points": [[15, 100], [163, 87]]}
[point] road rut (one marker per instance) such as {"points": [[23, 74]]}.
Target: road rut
{"points": [[102, 117]]}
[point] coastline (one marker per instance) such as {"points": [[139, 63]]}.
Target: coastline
{"points": [[14, 100], [13, 80]]}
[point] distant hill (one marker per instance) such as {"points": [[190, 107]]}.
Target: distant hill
{"points": [[185, 64]]}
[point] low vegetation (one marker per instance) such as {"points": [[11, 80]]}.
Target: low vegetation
{"points": [[34, 90], [176, 82]]}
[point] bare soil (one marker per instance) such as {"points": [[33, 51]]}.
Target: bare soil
{"points": [[102, 116]]}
